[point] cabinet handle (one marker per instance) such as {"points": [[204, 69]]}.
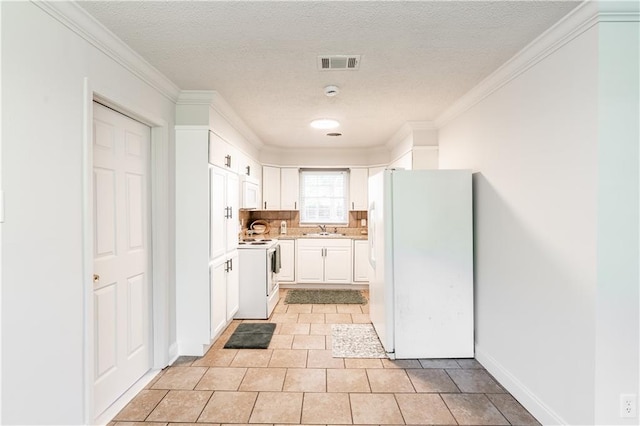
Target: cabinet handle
{"points": [[353, 205], [231, 264], [265, 205], [230, 212], [226, 266], [248, 170], [295, 205], [229, 161]]}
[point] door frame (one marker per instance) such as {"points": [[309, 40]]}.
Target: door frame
{"points": [[159, 215]]}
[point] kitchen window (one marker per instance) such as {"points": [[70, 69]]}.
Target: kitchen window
{"points": [[324, 196]]}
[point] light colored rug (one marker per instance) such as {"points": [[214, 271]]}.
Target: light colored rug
{"points": [[355, 341]]}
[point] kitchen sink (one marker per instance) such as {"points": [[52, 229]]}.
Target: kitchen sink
{"points": [[323, 234]]}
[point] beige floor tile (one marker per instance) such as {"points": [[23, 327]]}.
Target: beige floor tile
{"points": [[321, 329], [305, 380], [280, 308], [360, 318], [147, 424], [378, 408], [284, 318], [347, 380], [474, 381], [180, 406], [184, 361], [252, 358], [424, 409], [189, 424], [324, 309], [229, 407], [469, 363], [222, 378], [323, 359], [155, 379], [365, 308], [326, 408], [140, 407], [308, 342], [311, 318], [431, 380], [512, 410], [363, 363], [473, 409], [293, 329], [263, 379], [389, 380], [299, 309], [337, 318], [277, 407], [401, 363], [289, 358], [180, 378], [348, 309], [281, 341], [216, 358], [439, 363]]}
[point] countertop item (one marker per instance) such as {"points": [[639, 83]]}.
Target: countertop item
{"points": [[260, 227]]}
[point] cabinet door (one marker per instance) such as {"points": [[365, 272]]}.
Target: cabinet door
{"points": [[287, 255], [289, 188], [233, 286], [270, 188], [233, 204], [360, 260], [217, 212], [309, 263], [337, 264], [218, 295], [358, 189]]}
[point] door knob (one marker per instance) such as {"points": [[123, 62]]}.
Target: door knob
{"points": [[96, 278]]}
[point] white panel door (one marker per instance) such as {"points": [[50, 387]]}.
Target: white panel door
{"points": [[289, 188], [337, 263], [218, 212], [233, 203], [218, 295], [309, 263], [233, 286], [121, 288]]}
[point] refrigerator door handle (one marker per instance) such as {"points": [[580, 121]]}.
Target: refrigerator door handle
{"points": [[372, 234]]}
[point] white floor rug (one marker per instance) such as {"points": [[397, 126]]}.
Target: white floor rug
{"points": [[355, 341]]}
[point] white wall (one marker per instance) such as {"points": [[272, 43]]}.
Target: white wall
{"points": [[44, 65], [547, 221]]}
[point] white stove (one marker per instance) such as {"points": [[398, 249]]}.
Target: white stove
{"points": [[259, 289]]}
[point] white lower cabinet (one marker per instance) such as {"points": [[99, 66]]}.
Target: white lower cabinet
{"points": [[288, 259], [323, 261], [361, 261], [224, 291]]}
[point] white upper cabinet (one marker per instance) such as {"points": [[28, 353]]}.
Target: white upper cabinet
{"points": [[270, 188], [289, 188], [222, 154], [358, 189]]}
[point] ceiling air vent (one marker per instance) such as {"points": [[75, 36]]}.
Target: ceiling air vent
{"points": [[338, 62]]}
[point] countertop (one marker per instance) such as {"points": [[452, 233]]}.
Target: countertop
{"points": [[298, 233]]}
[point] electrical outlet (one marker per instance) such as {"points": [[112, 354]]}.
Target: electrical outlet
{"points": [[628, 408]]}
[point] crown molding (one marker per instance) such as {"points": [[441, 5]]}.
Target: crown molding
{"points": [[579, 20], [78, 20], [407, 129], [214, 100]]}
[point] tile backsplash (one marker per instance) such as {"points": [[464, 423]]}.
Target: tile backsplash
{"points": [[292, 217]]}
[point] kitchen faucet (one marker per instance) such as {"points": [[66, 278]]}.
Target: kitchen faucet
{"points": [[323, 228]]}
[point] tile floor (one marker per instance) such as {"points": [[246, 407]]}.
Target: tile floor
{"points": [[297, 381]]}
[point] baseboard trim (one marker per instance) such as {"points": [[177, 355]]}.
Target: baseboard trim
{"points": [[363, 286], [542, 412]]}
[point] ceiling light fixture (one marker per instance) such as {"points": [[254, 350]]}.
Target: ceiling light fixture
{"points": [[331, 91], [324, 123]]}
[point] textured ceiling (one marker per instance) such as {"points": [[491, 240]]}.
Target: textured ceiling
{"points": [[417, 57]]}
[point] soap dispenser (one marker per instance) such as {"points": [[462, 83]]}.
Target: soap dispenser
{"points": [[283, 227]]}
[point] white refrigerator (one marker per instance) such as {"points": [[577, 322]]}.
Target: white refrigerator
{"points": [[421, 253]]}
